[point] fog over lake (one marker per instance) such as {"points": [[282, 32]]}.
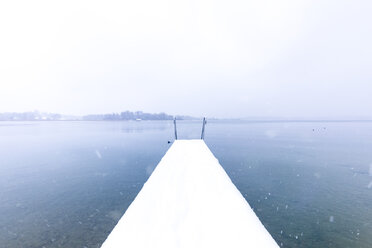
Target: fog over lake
{"points": [[291, 59], [285, 86]]}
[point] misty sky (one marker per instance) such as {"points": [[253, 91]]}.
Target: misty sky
{"points": [[236, 58]]}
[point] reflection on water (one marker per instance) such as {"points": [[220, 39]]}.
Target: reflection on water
{"points": [[66, 184]]}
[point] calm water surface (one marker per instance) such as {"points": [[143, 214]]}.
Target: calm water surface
{"points": [[66, 184]]}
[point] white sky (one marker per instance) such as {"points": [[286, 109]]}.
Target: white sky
{"points": [[235, 58]]}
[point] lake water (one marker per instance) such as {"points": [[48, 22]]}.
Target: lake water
{"points": [[66, 184]]}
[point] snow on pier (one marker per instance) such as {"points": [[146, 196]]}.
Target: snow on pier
{"points": [[189, 201]]}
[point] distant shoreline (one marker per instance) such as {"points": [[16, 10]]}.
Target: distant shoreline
{"points": [[194, 119], [138, 116], [122, 116]]}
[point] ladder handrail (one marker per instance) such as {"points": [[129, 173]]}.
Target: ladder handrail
{"points": [[175, 128], [203, 128]]}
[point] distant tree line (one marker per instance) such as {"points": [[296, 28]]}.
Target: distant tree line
{"points": [[127, 115], [29, 116]]}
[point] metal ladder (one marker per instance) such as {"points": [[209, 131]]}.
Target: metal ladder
{"points": [[202, 132]]}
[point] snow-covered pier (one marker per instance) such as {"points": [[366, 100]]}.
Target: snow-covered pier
{"points": [[189, 201]]}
